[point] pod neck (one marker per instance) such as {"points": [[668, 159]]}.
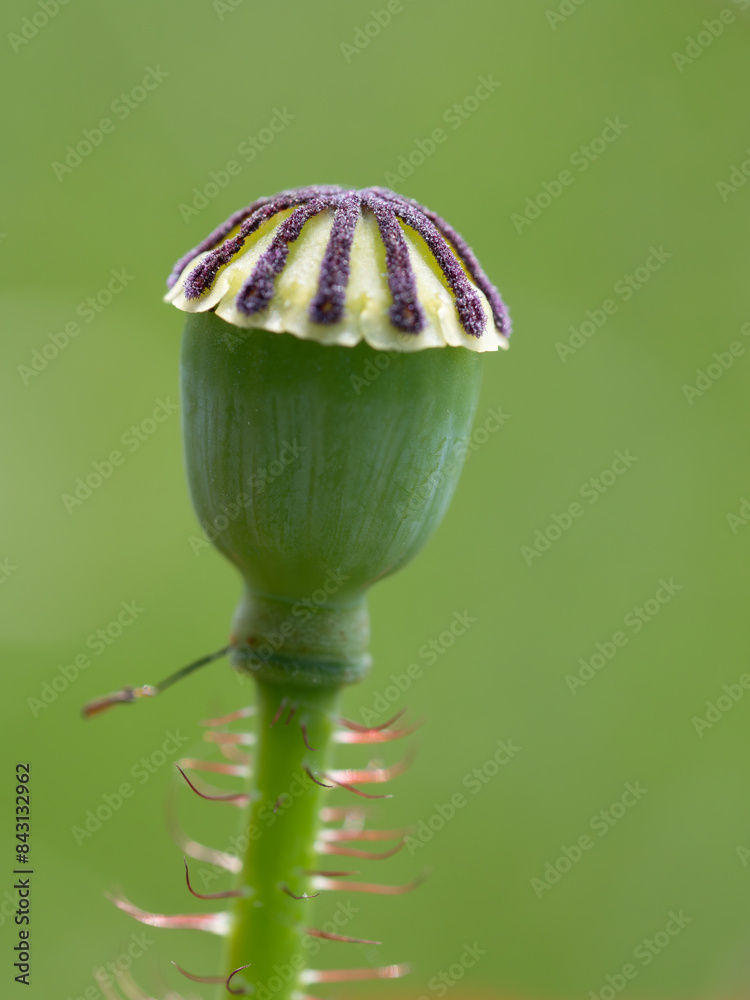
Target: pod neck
{"points": [[301, 641]]}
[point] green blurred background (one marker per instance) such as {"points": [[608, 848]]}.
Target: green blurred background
{"points": [[352, 112]]}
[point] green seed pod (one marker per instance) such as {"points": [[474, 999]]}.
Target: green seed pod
{"points": [[328, 395], [330, 375]]}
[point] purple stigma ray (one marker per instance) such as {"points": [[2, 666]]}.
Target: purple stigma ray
{"points": [[201, 277], [258, 290], [468, 303], [459, 266], [213, 238], [328, 304], [461, 247], [499, 310], [405, 313], [292, 197]]}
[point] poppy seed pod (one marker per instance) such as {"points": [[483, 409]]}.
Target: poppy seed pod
{"points": [[330, 375]]}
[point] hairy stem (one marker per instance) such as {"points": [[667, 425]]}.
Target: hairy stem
{"points": [[268, 929]]}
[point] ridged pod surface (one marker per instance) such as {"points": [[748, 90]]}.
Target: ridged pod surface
{"points": [[320, 485]]}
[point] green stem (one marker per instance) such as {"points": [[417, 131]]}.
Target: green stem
{"points": [[268, 929]]}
